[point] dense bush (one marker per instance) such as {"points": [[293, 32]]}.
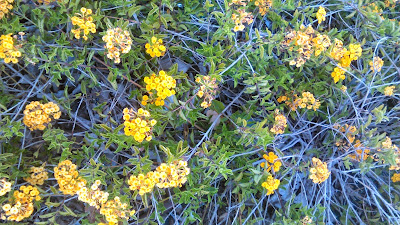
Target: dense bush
{"points": [[199, 112]]}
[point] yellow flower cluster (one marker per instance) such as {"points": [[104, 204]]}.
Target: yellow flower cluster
{"points": [[271, 184], [93, 196], [5, 187], [321, 13], [321, 42], [84, 23], [337, 51], [263, 6], [396, 177], [172, 175], [46, 1], [345, 57], [8, 51], [114, 209], [21, 206], [306, 101], [349, 131], [208, 89], [68, 178], [389, 90], [306, 42], [272, 162], [306, 220], [143, 183], [138, 124], [165, 176], [280, 123], [388, 145], [160, 86], [338, 74], [155, 47], [117, 41], [238, 2], [5, 7], [27, 194], [37, 115], [376, 64], [319, 171], [37, 175], [240, 17]]}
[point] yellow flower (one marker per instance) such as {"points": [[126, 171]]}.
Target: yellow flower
{"points": [[37, 115], [8, 50], [160, 87], [319, 171], [396, 177], [155, 47], [280, 123], [321, 14], [117, 41], [5, 187], [271, 184], [240, 17], [83, 24], [138, 124], [376, 64], [5, 7], [37, 175], [263, 6], [68, 178], [389, 90]]}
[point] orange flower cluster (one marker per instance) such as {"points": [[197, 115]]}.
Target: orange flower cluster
{"points": [[68, 178], [5, 187], [271, 184], [263, 6], [161, 86], [37, 115], [117, 41], [138, 124], [280, 123], [272, 162], [37, 175], [84, 23], [345, 57], [319, 171], [396, 177], [155, 47], [93, 195], [208, 89], [306, 42], [114, 210], [165, 176], [21, 206], [5, 7], [349, 131], [306, 101], [361, 152], [8, 49], [240, 17]]}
